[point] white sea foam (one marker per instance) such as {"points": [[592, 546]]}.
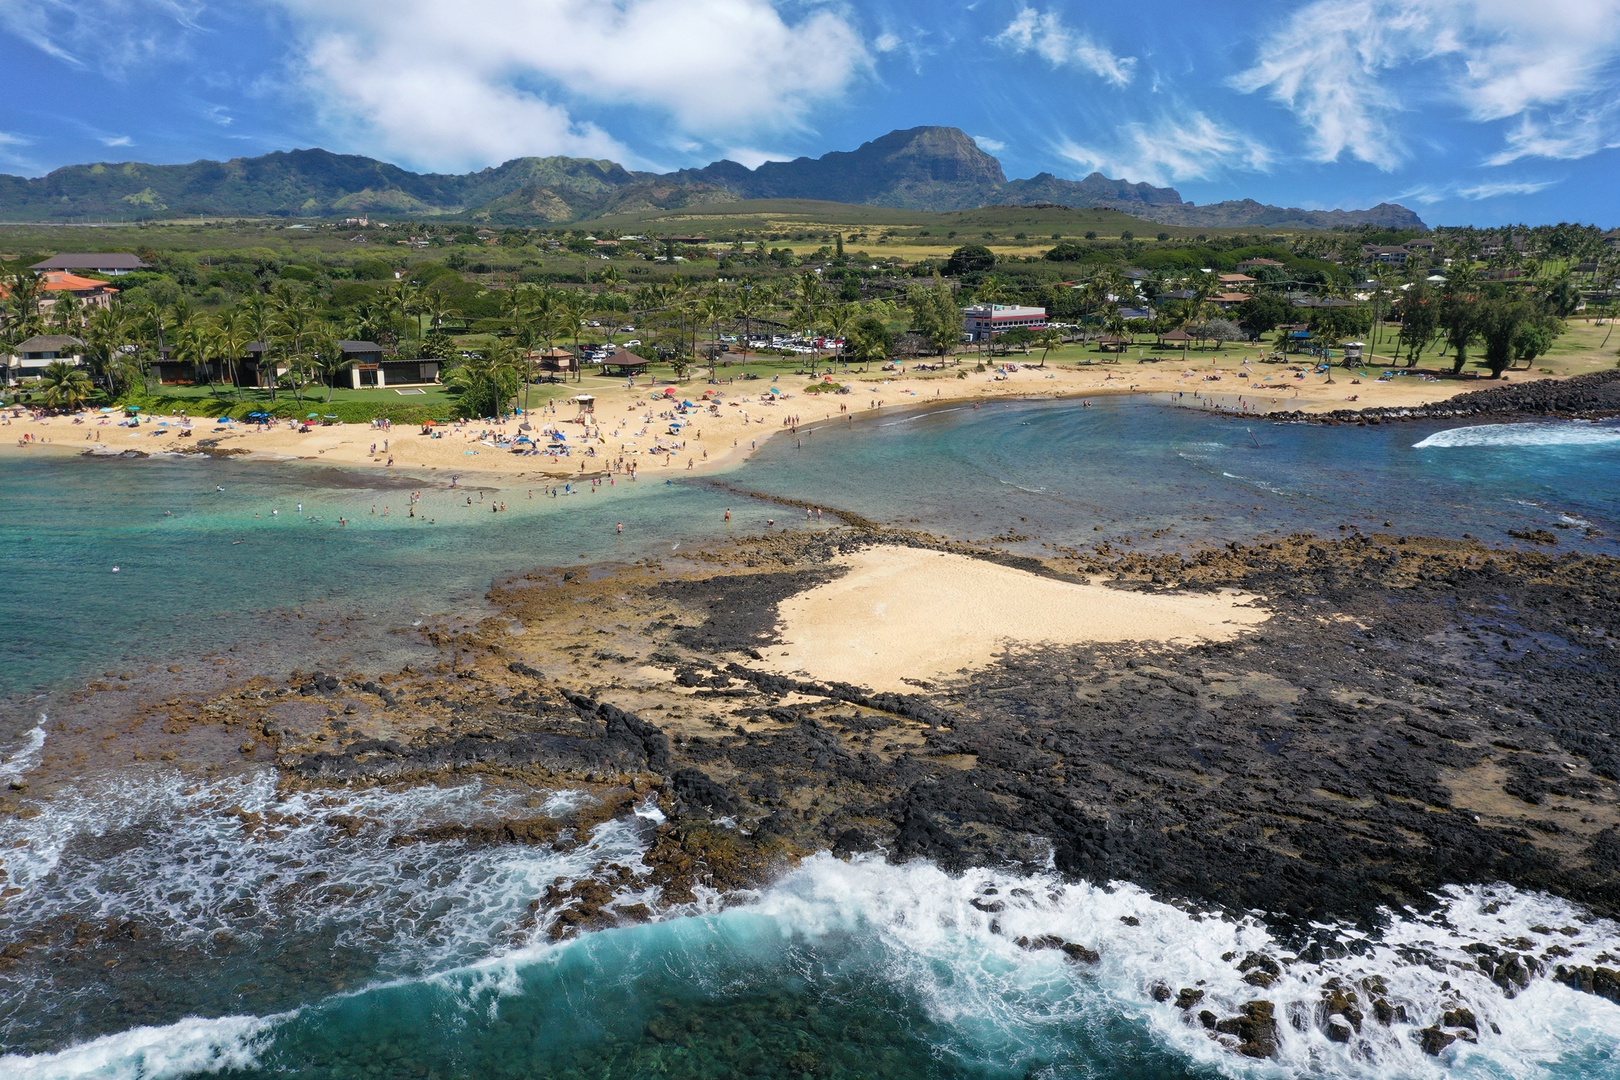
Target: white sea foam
{"points": [[1007, 1004], [1567, 433], [186, 1048], [236, 856], [23, 760]]}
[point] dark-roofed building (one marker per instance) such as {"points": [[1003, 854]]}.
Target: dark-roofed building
{"points": [[108, 263], [368, 367], [31, 357]]}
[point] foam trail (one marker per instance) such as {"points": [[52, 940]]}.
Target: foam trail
{"points": [[1006, 1003], [1571, 433], [187, 1048], [20, 763]]}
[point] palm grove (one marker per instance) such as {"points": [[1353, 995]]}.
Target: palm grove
{"points": [[1499, 296]]}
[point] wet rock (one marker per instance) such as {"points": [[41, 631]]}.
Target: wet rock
{"points": [[1513, 971], [1160, 992], [1080, 954], [1188, 997], [696, 791], [1460, 1017], [1602, 981], [1434, 1041], [1260, 970], [1255, 1028], [1207, 1018], [1338, 1029]]}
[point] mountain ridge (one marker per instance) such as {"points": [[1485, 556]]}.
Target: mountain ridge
{"points": [[922, 168]]}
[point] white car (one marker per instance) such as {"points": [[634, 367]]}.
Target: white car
{"points": [[632, 342]]}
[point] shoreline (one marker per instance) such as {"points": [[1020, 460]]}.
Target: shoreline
{"points": [[1319, 772], [758, 418]]}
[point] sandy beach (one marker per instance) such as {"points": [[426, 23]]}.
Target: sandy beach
{"points": [[903, 612], [627, 425]]}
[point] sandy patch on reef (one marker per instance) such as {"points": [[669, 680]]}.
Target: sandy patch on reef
{"points": [[910, 613]]}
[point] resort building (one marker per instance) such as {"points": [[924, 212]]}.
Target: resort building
{"points": [[107, 264], [985, 321], [31, 357]]}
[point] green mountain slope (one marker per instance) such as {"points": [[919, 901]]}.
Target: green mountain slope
{"points": [[924, 168]]}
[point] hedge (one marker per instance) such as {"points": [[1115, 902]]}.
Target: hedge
{"points": [[348, 412]]}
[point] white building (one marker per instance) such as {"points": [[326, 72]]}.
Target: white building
{"points": [[985, 321]]}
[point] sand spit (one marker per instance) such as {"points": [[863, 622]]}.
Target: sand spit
{"points": [[902, 613]]}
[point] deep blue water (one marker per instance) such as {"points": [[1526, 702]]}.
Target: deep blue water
{"points": [[311, 952]]}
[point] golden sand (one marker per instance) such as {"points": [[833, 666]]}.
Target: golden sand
{"points": [[913, 613]]}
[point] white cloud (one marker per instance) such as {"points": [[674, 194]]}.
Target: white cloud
{"points": [[479, 81], [989, 145], [1179, 147], [1476, 192], [886, 43], [117, 140], [1044, 34], [113, 36], [1348, 68]]}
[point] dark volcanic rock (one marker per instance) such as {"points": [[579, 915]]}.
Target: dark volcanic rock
{"points": [[1597, 394], [1255, 1028], [1602, 981]]}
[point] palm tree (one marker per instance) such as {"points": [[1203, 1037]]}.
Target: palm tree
{"points": [[402, 301], [327, 358], [487, 380], [68, 314], [22, 291], [230, 340], [191, 345], [438, 308], [106, 335], [711, 309], [1048, 339], [66, 386], [260, 319], [575, 308]]}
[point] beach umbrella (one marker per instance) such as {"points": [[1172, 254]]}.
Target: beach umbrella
{"points": [[329, 416], [313, 416]]}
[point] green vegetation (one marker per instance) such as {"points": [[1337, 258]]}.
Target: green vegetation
{"points": [[489, 305]]}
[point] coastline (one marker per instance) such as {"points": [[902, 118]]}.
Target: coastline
{"points": [[1328, 766], [748, 418]]}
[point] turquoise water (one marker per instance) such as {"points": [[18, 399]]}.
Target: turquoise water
{"points": [[1056, 471], [198, 568], [311, 951]]}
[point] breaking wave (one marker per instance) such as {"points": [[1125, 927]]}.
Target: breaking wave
{"points": [[907, 971], [1569, 433]]}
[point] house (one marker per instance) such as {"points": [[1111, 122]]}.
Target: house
{"points": [[555, 361], [108, 264], [31, 357], [1384, 253], [1235, 282], [1226, 301], [1258, 264], [368, 367], [55, 284], [985, 321]]}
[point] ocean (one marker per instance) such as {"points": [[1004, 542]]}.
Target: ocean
{"points": [[222, 927]]}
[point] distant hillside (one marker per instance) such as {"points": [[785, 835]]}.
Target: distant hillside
{"points": [[924, 168]]}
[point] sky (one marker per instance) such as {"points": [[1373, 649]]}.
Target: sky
{"points": [[1469, 111]]}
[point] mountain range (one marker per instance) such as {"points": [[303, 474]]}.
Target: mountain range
{"points": [[923, 168]]}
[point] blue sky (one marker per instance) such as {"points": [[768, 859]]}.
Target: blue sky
{"points": [[1469, 111]]}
